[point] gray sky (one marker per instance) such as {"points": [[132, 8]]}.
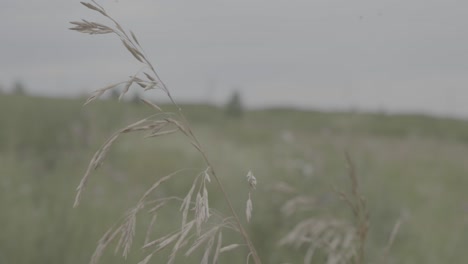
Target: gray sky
{"points": [[396, 55]]}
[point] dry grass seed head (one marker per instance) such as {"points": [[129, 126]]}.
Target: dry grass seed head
{"points": [[298, 203], [137, 54], [146, 259], [103, 243], [251, 180], [229, 247], [181, 241], [206, 253], [150, 228], [96, 94], [152, 105], [202, 239], [127, 87], [101, 153], [95, 7], [186, 202], [248, 209], [162, 242], [218, 248], [335, 238], [252, 184], [91, 27], [136, 41], [202, 207], [146, 74], [127, 233], [202, 211]]}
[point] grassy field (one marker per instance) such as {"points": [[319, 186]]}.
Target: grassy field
{"points": [[411, 168]]}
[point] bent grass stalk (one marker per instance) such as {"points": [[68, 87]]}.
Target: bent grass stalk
{"points": [[159, 124], [341, 241]]}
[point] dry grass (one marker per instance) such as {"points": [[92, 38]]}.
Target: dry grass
{"points": [[201, 226], [195, 231], [339, 240], [358, 204]]}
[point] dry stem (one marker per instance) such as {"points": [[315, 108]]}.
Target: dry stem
{"points": [[133, 46]]}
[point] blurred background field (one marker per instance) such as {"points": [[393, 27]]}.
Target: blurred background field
{"points": [[411, 168]]}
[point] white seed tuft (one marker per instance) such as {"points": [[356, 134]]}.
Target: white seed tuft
{"points": [[248, 209], [252, 180]]}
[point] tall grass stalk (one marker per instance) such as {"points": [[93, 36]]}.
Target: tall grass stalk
{"points": [[341, 241], [159, 124]]}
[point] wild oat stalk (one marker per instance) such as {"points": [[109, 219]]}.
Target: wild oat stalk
{"points": [[161, 124], [342, 242], [358, 204], [335, 238]]}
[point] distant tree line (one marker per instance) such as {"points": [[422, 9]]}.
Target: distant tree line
{"points": [[17, 88]]}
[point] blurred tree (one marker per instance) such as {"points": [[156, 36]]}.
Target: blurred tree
{"points": [[136, 98], [18, 88], [114, 94], [234, 107]]}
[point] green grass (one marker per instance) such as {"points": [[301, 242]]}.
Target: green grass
{"points": [[409, 166]]}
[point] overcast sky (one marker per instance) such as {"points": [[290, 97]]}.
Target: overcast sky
{"points": [[394, 55]]}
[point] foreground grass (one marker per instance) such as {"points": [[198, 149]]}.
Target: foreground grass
{"points": [[411, 168]]}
